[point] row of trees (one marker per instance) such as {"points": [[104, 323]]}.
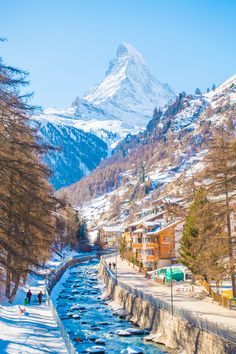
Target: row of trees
{"points": [[199, 92], [27, 202], [208, 244]]}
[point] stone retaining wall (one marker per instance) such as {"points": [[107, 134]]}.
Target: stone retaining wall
{"points": [[174, 332]]}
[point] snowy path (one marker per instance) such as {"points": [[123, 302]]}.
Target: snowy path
{"points": [[34, 333]]}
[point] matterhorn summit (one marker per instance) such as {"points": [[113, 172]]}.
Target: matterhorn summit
{"points": [[122, 103], [129, 91]]}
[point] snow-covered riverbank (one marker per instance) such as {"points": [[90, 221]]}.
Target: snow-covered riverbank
{"points": [[34, 332]]}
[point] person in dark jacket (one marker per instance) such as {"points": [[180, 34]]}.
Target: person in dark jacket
{"points": [[28, 295], [40, 297]]}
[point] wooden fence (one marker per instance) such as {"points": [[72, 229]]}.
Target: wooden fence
{"points": [[222, 299]]}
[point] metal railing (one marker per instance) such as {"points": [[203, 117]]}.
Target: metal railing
{"points": [[69, 346], [225, 332]]}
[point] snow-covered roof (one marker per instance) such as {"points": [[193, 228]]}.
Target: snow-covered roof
{"points": [[147, 218], [166, 227], [112, 229], [150, 223], [138, 231]]}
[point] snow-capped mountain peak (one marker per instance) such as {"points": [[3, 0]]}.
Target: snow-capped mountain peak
{"points": [[122, 103], [127, 51], [129, 91], [117, 75]]}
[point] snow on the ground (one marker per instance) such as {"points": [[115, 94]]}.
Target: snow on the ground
{"points": [[34, 333], [111, 131], [58, 287]]}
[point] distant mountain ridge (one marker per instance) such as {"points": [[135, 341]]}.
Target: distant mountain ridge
{"points": [[122, 103], [171, 147]]}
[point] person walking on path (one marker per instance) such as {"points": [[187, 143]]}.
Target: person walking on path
{"points": [[40, 297], [114, 266], [25, 301], [28, 295]]}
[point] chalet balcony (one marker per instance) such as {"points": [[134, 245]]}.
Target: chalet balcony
{"points": [[137, 245], [150, 245], [152, 258]]}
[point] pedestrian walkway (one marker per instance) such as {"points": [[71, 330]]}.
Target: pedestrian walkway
{"points": [[205, 308], [35, 332]]}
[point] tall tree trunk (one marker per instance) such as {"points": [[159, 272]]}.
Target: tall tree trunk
{"points": [[230, 245], [8, 278], [15, 288]]}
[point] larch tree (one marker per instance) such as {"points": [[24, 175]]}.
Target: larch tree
{"points": [[27, 202], [221, 176], [203, 245]]}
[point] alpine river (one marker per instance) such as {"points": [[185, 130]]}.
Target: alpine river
{"points": [[88, 318]]}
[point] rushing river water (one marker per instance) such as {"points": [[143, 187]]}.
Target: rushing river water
{"points": [[81, 297]]}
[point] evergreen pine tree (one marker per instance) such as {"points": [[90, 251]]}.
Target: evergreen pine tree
{"points": [[198, 91]]}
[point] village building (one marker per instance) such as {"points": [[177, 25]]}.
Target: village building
{"points": [[110, 235], [154, 244], [155, 237]]}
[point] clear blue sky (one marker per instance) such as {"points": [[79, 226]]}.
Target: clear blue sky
{"points": [[66, 44]]}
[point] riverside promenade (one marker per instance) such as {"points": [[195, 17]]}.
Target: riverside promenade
{"points": [[34, 333], [203, 308]]}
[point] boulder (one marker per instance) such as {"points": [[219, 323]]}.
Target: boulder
{"points": [[76, 316], [70, 314], [96, 349], [136, 331], [100, 341], [92, 337], [123, 333], [132, 350], [78, 340]]}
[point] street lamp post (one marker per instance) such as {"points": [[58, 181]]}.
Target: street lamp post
{"points": [[116, 259], [171, 285], [171, 288]]}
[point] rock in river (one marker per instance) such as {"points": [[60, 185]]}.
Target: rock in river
{"points": [[100, 341], [76, 316], [96, 349], [135, 331], [132, 350], [123, 333]]}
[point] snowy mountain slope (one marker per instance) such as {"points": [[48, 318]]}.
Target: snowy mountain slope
{"points": [[190, 121], [80, 152], [172, 147], [110, 131], [121, 104]]}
